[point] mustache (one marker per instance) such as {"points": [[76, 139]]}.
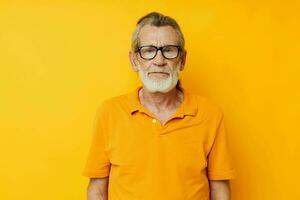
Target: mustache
{"points": [[166, 70]]}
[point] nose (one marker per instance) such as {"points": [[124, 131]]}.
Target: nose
{"points": [[159, 60]]}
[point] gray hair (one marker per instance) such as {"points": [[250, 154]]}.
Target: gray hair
{"points": [[158, 20]]}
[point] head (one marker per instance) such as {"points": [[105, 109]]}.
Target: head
{"points": [[157, 52]]}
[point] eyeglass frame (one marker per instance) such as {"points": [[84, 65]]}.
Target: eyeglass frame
{"points": [[179, 48]]}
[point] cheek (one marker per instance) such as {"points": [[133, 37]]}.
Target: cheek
{"points": [[174, 65], [144, 64]]}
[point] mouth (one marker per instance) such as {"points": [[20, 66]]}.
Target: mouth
{"points": [[159, 73]]}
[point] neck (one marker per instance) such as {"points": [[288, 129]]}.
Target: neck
{"points": [[161, 101]]}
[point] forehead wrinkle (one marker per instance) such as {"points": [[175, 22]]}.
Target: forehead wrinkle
{"points": [[158, 36]]}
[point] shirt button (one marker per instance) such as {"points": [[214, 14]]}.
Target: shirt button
{"points": [[153, 121]]}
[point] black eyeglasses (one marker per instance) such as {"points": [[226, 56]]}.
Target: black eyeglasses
{"points": [[148, 52]]}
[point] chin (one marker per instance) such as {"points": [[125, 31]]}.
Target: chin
{"points": [[162, 87]]}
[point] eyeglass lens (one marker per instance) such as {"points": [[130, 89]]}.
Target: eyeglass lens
{"points": [[149, 52]]}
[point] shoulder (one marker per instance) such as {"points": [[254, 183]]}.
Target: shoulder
{"points": [[113, 104], [207, 108]]}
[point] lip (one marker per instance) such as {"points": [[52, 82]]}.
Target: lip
{"points": [[158, 73]]}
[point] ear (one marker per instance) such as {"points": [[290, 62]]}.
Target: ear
{"points": [[183, 59], [132, 58]]}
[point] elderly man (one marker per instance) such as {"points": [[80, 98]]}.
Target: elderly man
{"points": [[159, 142]]}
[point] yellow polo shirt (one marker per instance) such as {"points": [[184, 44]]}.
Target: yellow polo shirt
{"points": [[149, 161]]}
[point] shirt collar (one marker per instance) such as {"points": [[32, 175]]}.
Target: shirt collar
{"points": [[187, 107]]}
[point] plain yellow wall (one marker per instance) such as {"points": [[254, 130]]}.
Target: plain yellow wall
{"points": [[60, 59]]}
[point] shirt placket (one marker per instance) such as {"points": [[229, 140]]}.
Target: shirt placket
{"points": [[157, 126]]}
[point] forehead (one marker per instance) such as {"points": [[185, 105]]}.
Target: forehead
{"points": [[158, 36]]}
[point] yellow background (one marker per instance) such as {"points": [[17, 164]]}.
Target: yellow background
{"points": [[60, 59]]}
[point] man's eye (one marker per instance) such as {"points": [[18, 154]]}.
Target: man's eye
{"points": [[168, 49], [149, 50]]}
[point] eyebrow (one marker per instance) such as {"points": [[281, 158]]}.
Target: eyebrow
{"points": [[177, 44]]}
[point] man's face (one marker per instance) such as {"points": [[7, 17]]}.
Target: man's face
{"points": [[158, 74]]}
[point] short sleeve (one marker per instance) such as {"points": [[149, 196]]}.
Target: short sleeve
{"points": [[220, 166], [98, 164]]}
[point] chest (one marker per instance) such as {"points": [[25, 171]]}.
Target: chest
{"points": [[137, 142]]}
